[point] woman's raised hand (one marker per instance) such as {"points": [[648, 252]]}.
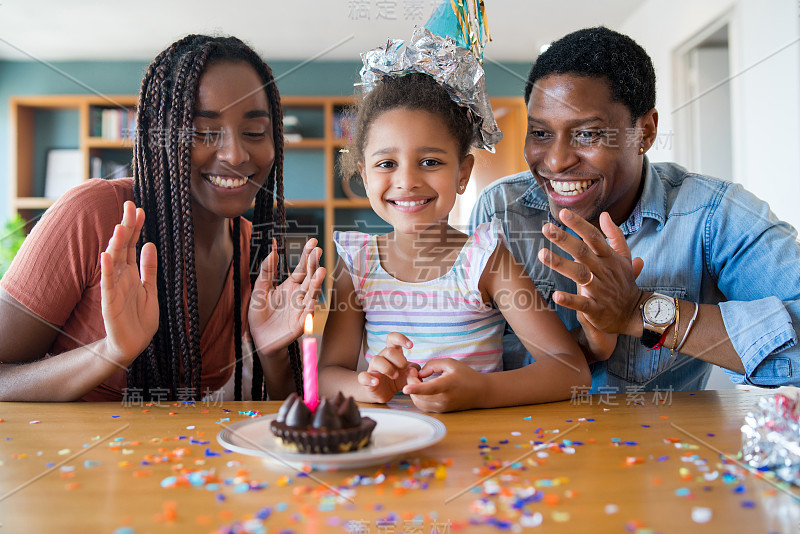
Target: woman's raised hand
{"points": [[277, 312], [129, 296]]}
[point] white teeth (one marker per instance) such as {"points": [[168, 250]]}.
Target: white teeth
{"points": [[570, 188], [410, 203], [228, 183]]}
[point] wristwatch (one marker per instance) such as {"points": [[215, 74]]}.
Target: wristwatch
{"points": [[658, 312]]}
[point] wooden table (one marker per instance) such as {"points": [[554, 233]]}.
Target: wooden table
{"points": [[629, 463]]}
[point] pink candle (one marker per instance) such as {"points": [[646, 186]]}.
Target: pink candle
{"points": [[310, 385]]}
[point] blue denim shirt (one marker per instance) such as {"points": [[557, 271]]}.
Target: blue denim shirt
{"points": [[703, 240]]}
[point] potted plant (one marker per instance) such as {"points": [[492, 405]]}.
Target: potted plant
{"points": [[11, 238]]}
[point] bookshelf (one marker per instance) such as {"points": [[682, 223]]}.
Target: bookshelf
{"points": [[41, 123], [317, 202]]}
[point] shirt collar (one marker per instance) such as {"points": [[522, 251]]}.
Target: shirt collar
{"points": [[634, 221], [652, 203], [534, 197]]}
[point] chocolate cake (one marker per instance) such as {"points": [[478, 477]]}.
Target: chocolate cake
{"points": [[336, 426]]}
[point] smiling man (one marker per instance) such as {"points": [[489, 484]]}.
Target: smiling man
{"points": [[689, 270]]}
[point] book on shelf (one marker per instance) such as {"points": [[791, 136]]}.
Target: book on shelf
{"points": [[342, 121], [112, 123], [292, 131], [106, 169]]}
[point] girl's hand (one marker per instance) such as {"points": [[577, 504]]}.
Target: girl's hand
{"points": [[389, 371], [599, 344], [456, 388], [129, 297], [276, 313]]}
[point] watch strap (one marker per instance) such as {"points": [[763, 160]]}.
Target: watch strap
{"points": [[660, 342], [650, 339]]}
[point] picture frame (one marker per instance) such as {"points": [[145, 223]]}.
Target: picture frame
{"points": [[63, 171]]}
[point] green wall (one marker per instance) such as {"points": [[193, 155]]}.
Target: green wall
{"points": [[123, 77]]}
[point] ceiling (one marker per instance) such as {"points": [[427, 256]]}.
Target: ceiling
{"points": [[54, 30]]}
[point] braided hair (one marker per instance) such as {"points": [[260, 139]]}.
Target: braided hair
{"points": [[161, 186]]}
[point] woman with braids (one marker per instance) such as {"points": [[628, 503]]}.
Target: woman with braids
{"points": [[80, 320]]}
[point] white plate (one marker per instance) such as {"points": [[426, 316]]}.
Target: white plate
{"points": [[396, 433]]}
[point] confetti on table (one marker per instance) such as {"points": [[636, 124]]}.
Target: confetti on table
{"points": [[203, 520], [560, 517], [611, 509], [701, 514], [170, 509], [441, 472], [531, 520]]}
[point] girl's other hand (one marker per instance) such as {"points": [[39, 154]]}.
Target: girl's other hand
{"points": [[599, 344], [129, 297], [389, 371], [457, 387]]}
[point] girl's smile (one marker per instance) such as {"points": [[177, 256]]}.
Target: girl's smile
{"points": [[410, 205]]}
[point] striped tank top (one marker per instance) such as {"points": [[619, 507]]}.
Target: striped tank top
{"points": [[444, 317]]}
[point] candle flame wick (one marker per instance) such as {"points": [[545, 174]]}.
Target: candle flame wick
{"points": [[309, 324]]}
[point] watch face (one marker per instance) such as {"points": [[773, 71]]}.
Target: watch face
{"points": [[659, 310]]}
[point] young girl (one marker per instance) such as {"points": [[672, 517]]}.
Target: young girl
{"points": [[432, 301], [79, 322]]}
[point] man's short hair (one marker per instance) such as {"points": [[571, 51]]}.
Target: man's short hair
{"points": [[600, 52]]}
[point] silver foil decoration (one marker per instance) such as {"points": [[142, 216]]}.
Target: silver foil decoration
{"points": [[771, 437], [454, 67]]}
